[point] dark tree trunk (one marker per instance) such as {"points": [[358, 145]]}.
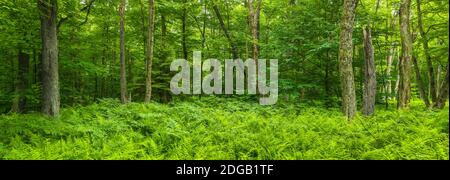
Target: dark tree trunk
{"points": [[443, 92], [370, 81], [19, 103], [166, 94], [50, 79], [345, 59], [184, 33]]}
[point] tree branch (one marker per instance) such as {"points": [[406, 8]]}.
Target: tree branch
{"points": [[86, 8]]}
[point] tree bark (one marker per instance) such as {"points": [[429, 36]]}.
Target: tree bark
{"points": [[234, 50], [149, 52], [404, 89], [370, 81], [123, 79], [443, 92], [19, 103], [166, 97], [184, 33], [49, 51], [432, 83], [388, 72], [254, 15], [345, 59], [420, 83]]}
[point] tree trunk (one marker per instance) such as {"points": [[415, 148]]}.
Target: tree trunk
{"points": [[388, 73], [404, 88], [370, 81], [19, 103], [166, 94], [432, 80], [144, 29], [96, 92], [254, 15], [345, 59], [234, 50], [438, 77], [184, 33], [123, 79], [50, 79], [420, 83], [443, 92], [149, 52]]}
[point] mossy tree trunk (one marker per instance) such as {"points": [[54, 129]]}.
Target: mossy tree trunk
{"points": [[50, 78], [345, 59]]}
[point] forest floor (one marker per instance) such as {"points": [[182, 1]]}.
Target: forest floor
{"points": [[224, 129]]}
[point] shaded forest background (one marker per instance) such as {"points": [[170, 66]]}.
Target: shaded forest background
{"points": [[123, 49]]}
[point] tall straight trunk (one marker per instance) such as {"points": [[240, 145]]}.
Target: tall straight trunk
{"points": [[144, 28], [35, 70], [420, 83], [370, 81], [19, 103], [254, 14], [432, 80], [204, 25], [396, 69], [404, 87], [443, 92], [50, 78], [234, 50], [166, 94], [96, 92], [123, 78], [12, 72], [438, 77], [388, 72], [149, 52], [184, 33], [345, 59], [103, 79]]}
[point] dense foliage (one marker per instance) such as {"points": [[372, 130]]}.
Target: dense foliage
{"points": [[223, 129], [83, 55], [302, 34]]}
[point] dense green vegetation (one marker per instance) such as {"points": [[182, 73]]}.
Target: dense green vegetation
{"points": [[357, 79], [224, 129]]}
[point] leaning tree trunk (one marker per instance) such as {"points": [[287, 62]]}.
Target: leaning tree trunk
{"points": [[404, 87], [149, 52], [370, 81], [345, 59], [19, 102], [123, 79], [234, 49], [50, 79], [433, 88]]}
